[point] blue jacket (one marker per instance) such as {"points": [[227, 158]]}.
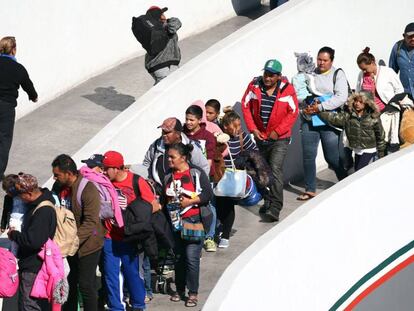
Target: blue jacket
{"points": [[402, 60]]}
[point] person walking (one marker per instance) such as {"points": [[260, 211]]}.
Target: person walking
{"points": [[39, 225], [363, 128], [402, 59], [383, 84], [189, 187], [160, 41], [270, 109], [332, 84], [83, 264], [12, 76]]}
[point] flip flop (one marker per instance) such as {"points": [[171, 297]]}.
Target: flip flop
{"points": [[191, 301], [306, 196]]}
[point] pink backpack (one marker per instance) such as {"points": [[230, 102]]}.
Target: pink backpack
{"points": [[9, 278]]}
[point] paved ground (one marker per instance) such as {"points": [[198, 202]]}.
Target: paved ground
{"points": [[68, 122]]}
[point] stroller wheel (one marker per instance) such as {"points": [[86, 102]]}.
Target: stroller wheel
{"points": [[164, 287]]}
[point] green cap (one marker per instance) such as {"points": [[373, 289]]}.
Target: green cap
{"points": [[273, 66]]}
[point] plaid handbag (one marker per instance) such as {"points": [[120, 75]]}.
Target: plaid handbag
{"points": [[192, 231]]}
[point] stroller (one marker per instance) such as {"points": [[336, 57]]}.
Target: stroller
{"points": [[164, 271]]}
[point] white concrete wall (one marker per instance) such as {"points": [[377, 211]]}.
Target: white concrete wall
{"points": [[63, 43], [224, 70], [308, 261]]}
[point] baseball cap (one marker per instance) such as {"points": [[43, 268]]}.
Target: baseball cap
{"points": [[409, 29], [26, 183], [171, 124], [113, 159], [273, 66], [154, 7], [94, 161]]}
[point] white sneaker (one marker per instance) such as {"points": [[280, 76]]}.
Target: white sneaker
{"points": [[224, 243]]}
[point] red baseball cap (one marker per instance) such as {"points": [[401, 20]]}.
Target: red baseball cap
{"points": [[113, 159]]}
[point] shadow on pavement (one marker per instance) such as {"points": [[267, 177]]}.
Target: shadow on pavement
{"points": [[109, 98]]}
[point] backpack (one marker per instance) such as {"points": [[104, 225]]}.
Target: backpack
{"points": [[66, 235], [9, 277], [106, 211], [150, 33]]}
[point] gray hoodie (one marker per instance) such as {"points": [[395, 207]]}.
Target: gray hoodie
{"points": [[171, 54], [157, 149]]}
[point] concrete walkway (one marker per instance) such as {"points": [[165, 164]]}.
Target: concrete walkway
{"points": [[68, 122]]}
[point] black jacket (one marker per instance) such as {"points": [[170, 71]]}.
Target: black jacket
{"points": [[37, 228], [12, 76]]}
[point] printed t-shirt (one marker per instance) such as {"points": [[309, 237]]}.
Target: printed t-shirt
{"points": [[368, 85], [183, 180]]}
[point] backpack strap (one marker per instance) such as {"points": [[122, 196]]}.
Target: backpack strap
{"points": [[81, 187], [334, 80], [135, 185], [399, 45], [43, 203]]}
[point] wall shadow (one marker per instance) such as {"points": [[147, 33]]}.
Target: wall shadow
{"points": [[109, 98]]}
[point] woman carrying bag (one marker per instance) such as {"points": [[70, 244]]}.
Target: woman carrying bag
{"points": [[187, 190]]}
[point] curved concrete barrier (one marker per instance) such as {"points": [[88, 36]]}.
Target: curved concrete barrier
{"points": [[63, 43], [328, 252], [224, 70]]}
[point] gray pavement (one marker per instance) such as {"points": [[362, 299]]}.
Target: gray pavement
{"points": [[65, 124]]}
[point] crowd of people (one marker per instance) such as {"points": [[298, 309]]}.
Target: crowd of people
{"points": [[104, 216]]}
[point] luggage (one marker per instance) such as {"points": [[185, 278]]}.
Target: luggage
{"points": [[150, 33]]}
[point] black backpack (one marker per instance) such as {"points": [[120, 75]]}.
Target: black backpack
{"points": [[150, 32]]}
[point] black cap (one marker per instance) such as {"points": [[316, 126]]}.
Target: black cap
{"points": [[409, 29], [94, 161]]}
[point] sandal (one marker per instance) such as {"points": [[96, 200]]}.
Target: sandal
{"points": [[306, 196], [191, 301], [148, 298], [176, 297]]}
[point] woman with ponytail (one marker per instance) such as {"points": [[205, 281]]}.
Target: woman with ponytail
{"points": [[383, 84], [188, 188]]}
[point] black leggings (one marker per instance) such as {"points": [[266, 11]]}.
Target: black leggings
{"points": [[226, 214]]}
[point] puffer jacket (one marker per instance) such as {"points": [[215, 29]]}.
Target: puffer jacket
{"points": [[362, 132], [50, 282]]}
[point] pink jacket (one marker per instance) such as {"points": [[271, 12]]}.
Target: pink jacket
{"points": [[50, 282], [101, 179]]}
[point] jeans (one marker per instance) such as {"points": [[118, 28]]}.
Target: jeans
{"points": [[27, 303], [115, 254], [83, 274], [147, 276], [211, 233], [162, 73], [187, 265], [330, 139], [274, 153], [7, 117]]}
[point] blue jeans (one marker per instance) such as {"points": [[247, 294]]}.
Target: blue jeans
{"points": [[211, 233], [330, 139], [115, 254], [147, 276], [187, 265]]}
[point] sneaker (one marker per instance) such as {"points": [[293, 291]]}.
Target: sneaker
{"points": [[273, 214], [209, 245], [224, 243]]}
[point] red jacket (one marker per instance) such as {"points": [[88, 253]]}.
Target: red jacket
{"points": [[284, 113]]}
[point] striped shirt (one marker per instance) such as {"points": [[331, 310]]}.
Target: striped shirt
{"points": [[235, 148], [267, 103]]}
